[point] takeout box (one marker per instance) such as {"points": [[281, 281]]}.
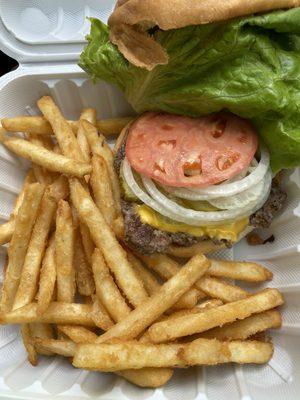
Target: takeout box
{"points": [[46, 38]]}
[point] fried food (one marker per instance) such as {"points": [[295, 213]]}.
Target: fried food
{"points": [[78, 292], [118, 356], [19, 243], [196, 323], [140, 318]]}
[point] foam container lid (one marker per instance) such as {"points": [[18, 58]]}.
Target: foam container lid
{"points": [[47, 38]]}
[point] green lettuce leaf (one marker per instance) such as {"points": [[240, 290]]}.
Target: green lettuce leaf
{"points": [[250, 66]]}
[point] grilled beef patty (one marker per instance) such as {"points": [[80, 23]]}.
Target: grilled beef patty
{"points": [[263, 217], [146, 239]]}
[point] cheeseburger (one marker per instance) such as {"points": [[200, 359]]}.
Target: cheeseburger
{"points": [[216, 90]]}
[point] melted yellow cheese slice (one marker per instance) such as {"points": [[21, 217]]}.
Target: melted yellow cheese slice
{"points": [[229, 231]]}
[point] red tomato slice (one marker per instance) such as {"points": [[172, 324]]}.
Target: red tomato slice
{"points": [[186, 152]]}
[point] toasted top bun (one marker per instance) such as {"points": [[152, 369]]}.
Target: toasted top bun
{"points": [[131, 18]]}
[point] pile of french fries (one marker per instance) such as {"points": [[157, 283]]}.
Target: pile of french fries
{"points": [[75, 289]]}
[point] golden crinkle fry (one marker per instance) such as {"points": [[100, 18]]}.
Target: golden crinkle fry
{"points": [[76, 292]]}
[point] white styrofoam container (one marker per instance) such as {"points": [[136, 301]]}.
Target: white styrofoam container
{"points": [[46, 38]]}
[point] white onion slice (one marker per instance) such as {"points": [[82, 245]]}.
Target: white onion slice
{"points": [[197, 218], [242, 174], [226, 189], [238, 200], [144, 197]]}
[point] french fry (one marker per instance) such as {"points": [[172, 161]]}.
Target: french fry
{"points": [[102, 190], [30, 178], [197, 323], [6, 231], [151, 283], [87, 242], [112, 126], [204, 247], [101, 148], [26, 337], [106, 289], [41, 174], [207, 286], [43, 331], [206, 305], [18, 247], [241, 330], [147, 377], [251, 272], [219, 289], [111, 357], [83, 272], [35, 252], [89, 114], [62, 130], [78, 334], [210, 303], [45, 158], [47, 278], [64, 253], [243, 271], [100, 316], [30, 124], [64, 348], [56, 313], [40, 126], [83, 143], [118, 227], [105, 240], [140, 318]]}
